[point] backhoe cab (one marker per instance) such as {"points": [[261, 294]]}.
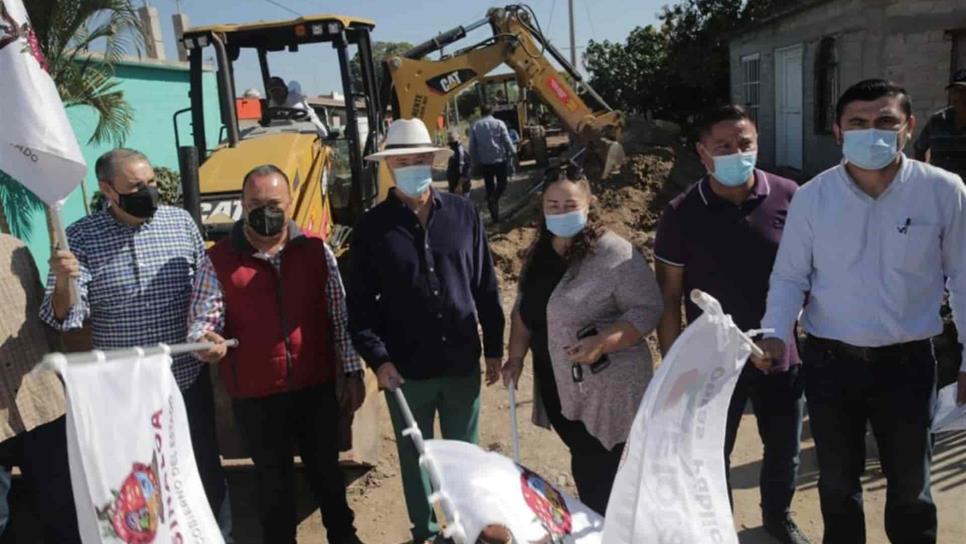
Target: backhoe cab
{"points": [[331, 185]]}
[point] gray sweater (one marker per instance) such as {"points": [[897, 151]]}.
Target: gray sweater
{"points": [[612, 283]]}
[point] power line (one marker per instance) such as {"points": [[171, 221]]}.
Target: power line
{"points": [[553, 6], [283, 6], [590, 19]]}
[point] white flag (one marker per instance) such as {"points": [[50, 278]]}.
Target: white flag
{"points": [[132, 466], [37, 143], [488, 489], [949, 416], [671, 483]]}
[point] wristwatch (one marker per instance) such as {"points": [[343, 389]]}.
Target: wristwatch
{"points": [[355, 374]]}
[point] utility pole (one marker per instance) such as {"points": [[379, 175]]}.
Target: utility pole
{"points": [[573, 37]]}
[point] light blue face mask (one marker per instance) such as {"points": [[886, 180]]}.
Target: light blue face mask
{"points": [[567, 225], [871, 148], [413, 180], [735, 169]]}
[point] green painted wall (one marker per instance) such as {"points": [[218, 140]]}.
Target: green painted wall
{"points": [[154, 93]]}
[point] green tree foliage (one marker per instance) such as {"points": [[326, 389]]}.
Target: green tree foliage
{"points": [[682, 67], [68, 32], [380, 51]]}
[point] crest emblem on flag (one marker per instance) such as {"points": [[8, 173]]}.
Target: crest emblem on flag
{"points": [[11, 31], [136, 511], [548, 504]]}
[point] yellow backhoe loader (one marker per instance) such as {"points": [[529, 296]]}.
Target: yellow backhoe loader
{"points": [[420, 88]]}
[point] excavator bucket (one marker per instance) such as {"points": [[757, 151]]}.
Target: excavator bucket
{"points": [[614, 158]]}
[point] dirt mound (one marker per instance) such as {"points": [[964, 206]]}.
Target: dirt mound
{"points": [[631, 204]]}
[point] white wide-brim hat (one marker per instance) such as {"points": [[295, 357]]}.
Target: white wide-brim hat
{"points": [[408, 137]]}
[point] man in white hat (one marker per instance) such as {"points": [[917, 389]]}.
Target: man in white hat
{"points": [[422, 275]]}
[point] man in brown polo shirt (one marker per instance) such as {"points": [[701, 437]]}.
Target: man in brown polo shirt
{"points": [[32, 431]]}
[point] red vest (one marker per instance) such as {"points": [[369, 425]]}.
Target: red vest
{"points": [[281, 319]]}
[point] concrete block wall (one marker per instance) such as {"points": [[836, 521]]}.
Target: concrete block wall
{"points": [[906, 41]]}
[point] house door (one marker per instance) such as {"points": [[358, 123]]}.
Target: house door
{"points": [[788, 107]]}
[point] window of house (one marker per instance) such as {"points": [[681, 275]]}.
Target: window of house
{"points": [[826, 85], [751, 84], [959, 49]]}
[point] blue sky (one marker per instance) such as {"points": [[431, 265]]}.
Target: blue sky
{"points": [[414, 21]]}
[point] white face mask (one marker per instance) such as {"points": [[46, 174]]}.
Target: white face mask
{"points": [[871, 148]]}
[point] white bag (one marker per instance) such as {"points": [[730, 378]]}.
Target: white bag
{"points": [[132, 466], [671, 484]]}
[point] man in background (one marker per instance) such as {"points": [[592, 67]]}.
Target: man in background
{"points": [[492, 150], [942, 141]]}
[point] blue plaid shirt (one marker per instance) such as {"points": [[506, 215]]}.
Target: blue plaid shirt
{"points": [[135, 283]]}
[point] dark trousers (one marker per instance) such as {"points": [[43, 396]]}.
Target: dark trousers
{"points": [[274, 427], [41, 455], [593, 466], [777, 401], [199, 404], [895, 392], [495, 178]]}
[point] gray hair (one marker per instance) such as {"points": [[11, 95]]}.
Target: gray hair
{"points": [[107, 163], [264, 170]]}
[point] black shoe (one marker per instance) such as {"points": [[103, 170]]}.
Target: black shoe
{"points": [[785, 531], [494, 205]]}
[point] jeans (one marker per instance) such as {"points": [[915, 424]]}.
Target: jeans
{"points": [[777, 401], [494, 172], [274, 428], [4, 493], [457, 400], [42, 456], [896, 394]]}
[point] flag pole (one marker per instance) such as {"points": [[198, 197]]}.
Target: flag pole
{"points": [[52, 360], [446, 514], [60, 242], [515, 435]]}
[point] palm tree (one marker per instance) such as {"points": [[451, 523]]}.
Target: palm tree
{"points": [[69, 32]]}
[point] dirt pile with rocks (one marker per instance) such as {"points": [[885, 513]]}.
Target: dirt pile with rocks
{"points": [[630, 204]]}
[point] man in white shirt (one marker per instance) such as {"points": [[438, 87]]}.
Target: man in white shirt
{"points": [[871, 242], [290, 96]]}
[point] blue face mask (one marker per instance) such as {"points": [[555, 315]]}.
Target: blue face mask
{"points": [[735, 169], [413, 180], [871, 148], [567, 225]]}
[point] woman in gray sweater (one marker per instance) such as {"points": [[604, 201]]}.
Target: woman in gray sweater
{"points": [[585, 302]]}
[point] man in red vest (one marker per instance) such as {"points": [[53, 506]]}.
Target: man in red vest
{"points": [[279, 292]]}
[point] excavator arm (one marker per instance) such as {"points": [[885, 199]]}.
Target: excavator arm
{"points": [[421, 88]]}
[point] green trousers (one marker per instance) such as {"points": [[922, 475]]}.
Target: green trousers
{"points": [[457, 400]]}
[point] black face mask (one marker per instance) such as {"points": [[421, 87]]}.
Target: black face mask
{"points": [[267, 220], [141, 203]]}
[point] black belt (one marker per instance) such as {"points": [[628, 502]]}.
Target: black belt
{"points": [[878, 353]]}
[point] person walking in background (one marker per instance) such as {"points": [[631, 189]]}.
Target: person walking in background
{"points": [[280, 292], [871, 242], [459, 167], [492, 150], [33, 433], [135, 264], [585, 302], [721, 236], [942, 141], [422, 282]]}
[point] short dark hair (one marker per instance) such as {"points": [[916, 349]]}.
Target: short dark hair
{"points": [[107, 163], [486, 108], [717, 114], [264, 170], [873, 89]]}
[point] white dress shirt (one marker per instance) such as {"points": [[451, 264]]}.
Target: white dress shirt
{"points": [[873, 268]]}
